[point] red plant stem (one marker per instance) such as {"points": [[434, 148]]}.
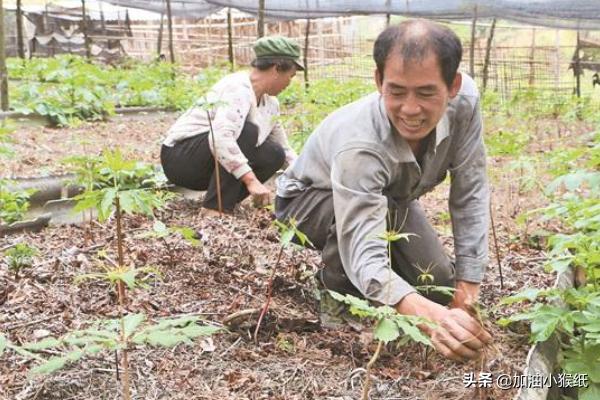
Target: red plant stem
{"points": [[496, 246], [121, 293], [217, 173], [269, 296]]}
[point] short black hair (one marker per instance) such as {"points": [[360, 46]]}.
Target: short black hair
{"points": [[264, 63], [412, 45]]}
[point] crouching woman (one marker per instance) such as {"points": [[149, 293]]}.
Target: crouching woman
{"points": [[249, 143]]}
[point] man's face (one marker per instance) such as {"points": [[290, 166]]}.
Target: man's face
{"points": [[415, 94]]}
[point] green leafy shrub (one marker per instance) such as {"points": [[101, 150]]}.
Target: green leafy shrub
{"points": [[20, 256]]}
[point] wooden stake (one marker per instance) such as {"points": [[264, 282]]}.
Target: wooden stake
{"points": [[3, 72], [578, 68], [532, 59], [488, 50], [230, 40], [472, 48], [160, 35], [261, 18], [306, 34], [20, 45], [84, 28], [170, 29]]}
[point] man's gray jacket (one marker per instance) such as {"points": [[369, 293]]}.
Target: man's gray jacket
{"points": [[358, 155]]}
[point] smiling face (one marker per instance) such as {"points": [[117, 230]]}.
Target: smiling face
{"points": [[415, 94]]}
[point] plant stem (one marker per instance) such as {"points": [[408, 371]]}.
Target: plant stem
{"points": [[121, 259], [269, 295], [217, 172], [496, 246], [367, 385], [122, 300]]}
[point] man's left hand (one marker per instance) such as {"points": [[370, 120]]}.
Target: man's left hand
{"points": [[466, 296]]}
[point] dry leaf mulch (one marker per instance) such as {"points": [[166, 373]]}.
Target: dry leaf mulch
{"points": [[227, 274]]}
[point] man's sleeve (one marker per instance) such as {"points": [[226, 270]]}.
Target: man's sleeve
{"points": [[469, 201], [358, 177], [228, 123]]}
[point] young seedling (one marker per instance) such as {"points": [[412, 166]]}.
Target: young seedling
{"points": [[287, 232], [19, 257], [13, 204], [388, 322], [111, 335], [121, 193], [162, 232], [87, 175]]}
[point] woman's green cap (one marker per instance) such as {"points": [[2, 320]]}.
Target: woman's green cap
{"points": [[273, 47]]}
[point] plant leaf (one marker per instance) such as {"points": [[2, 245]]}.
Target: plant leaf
{"points": [[386, 331], [53, 364], [2, 343], [131, 323], [42, 345]]}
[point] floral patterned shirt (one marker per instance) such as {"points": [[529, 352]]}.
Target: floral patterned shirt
{"points": [[235, 102]]}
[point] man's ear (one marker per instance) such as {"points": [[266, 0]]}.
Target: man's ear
{"points": [[378, 81], [456, 84]]}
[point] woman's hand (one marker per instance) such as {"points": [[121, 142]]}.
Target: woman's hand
{"points": [[261, 195]]}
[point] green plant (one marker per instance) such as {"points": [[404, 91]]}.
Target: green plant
{"points": [[13, 203], [389, 323], [572, 313], [162, 232], [118, 190], [20, 256], [287, 232], [112, 335]]}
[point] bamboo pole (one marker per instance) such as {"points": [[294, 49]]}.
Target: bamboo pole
{"points": [[84, 28], [3, 72], [20, 45], [306, 34], [261, 18], [472, 48], [170, 29], [230, 40], [488, 50]]}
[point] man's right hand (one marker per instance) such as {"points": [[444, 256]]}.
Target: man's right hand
{"points": [[457, 336], [261, 195]]}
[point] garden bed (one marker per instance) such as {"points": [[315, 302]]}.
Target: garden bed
{"points": [[295, 359]]}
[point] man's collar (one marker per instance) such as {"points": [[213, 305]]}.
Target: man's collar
{"points": [[442, 130]]}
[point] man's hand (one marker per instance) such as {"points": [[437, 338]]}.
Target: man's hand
{"points": [[261, 195], [466, 296], [457, 336]]}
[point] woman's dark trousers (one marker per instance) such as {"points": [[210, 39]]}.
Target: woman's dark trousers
{"points": [[190, 163]]}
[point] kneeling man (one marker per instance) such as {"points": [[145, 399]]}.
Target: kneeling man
{"points": [[363, 169]]}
